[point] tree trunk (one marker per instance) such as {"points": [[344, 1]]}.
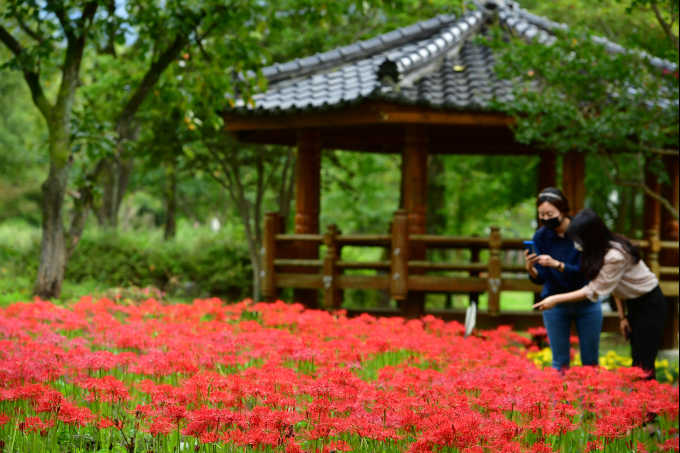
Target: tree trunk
{"points": [[53, 252], [170, 198], [116, 177]]}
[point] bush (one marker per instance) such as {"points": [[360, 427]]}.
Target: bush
{"points": [[199, 263]]}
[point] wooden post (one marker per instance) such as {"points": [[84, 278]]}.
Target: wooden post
{"points": [[332, 298], [414, 198], [573, 179], [474, 258], [307, 204], [495, 268], [670, 257], [399, 256], [669, 226], [546, 171], [268, 253], [546, 174], [654, 248]]}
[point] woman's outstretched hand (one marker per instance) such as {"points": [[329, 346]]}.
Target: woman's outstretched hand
{"points": [[546, 304]]}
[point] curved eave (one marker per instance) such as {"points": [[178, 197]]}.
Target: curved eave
{"points": [[363, 111]]}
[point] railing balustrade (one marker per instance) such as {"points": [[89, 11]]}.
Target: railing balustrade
{"points": [[492, 277]]}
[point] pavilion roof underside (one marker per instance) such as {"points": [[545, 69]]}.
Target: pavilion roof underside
{"points": [[390, 138]]}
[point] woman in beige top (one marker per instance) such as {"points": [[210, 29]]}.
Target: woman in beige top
{"points": [[613, 266]]}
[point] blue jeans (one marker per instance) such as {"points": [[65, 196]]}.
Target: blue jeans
{"points": [[588, 319]]}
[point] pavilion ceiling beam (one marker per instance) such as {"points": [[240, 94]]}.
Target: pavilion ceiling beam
{"points": [[365, 114]]}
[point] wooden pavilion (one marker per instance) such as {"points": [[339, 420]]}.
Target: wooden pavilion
{"points": [[419, 90]]}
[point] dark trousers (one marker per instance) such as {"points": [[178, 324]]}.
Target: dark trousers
{"points": [[647, 318]]}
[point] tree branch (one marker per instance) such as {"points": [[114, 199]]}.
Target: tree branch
{"points": [[32, 77], [637, 184], [73, 58], [666, 27], [150, 78], [28, 31]]}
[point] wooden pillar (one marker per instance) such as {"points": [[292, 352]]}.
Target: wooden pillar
{"points": [[670, 257], [414, 198], [669, 226], [332, 297], [474, 259], [495, 269], [573, 179], [547, 171], [268, 254], [307, 204], [399, 256]]}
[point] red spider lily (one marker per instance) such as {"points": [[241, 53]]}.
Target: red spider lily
{"points": [[300, 376], [670, 445], [74, 415], [107, 389], [35, 424], [104, 423], [161, 425]]}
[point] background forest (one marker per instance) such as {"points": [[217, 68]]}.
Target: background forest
{"points": [[175, 209]]}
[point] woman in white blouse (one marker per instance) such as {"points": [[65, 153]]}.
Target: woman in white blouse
{"points": [[613, 266]]}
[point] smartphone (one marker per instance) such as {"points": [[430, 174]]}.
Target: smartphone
{"points": [[531, 247]]}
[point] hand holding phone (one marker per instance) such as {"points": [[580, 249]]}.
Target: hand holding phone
{"points": [[530, 246], [530, 254]]}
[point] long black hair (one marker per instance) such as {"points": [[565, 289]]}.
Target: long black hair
{"points": [[589, 231]]}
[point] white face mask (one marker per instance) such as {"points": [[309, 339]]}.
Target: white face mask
{"points": [[578, 247]]}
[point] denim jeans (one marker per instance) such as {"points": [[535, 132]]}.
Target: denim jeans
{"points": [[588, 319]]}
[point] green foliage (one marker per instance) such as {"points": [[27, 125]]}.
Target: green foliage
{"points": [[573, 95], [22, 133], [615, 20], [198, 263]]}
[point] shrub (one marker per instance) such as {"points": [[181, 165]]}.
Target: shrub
{"points": [[199, 263]]}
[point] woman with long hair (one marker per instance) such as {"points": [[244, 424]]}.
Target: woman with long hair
{"points": [[613, 266], [557, 268]]}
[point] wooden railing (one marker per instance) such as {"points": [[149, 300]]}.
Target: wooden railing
{"points": [[405, 275]]}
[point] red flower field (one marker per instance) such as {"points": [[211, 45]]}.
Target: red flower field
{"points": [[210, 377]]}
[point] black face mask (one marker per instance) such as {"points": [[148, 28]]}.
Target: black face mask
{"points": [[552, 223]]}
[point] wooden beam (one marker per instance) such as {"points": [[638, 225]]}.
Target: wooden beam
{"points": [[377, 282], [365, 113], [389, 138], [295, 281]]}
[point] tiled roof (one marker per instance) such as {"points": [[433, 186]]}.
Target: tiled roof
{"points": [[547, 25], [429, 63]]}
